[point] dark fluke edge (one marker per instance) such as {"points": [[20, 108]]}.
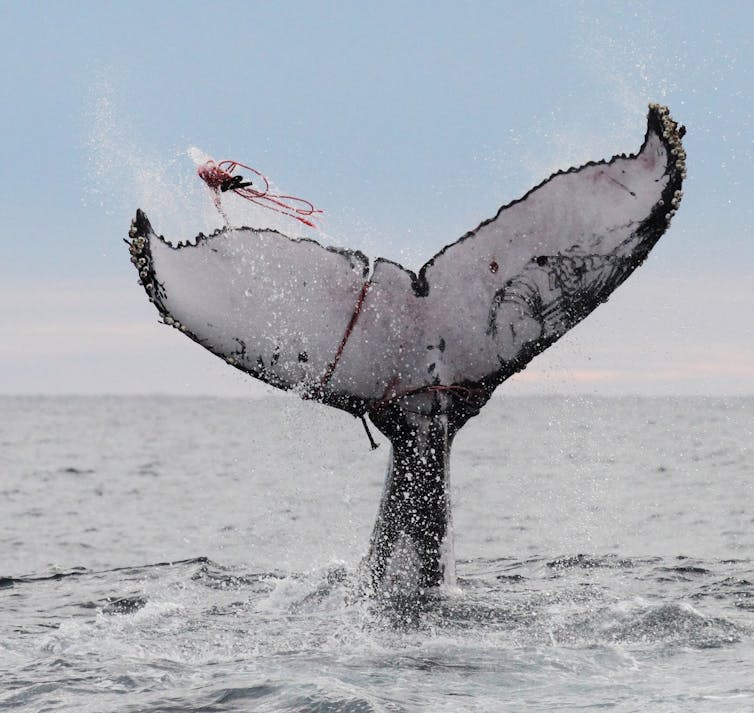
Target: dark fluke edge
{"points": [[419, 353]]}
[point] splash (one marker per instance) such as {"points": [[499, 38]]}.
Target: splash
{"points": [[123, 173], [625, 66]]}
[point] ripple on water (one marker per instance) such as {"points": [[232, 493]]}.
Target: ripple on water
{"points": [[233, 640]]}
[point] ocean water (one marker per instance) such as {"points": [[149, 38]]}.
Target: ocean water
{"points": [[168, 554]]}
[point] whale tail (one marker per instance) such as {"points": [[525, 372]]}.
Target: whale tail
{"points": [[410, 349]]}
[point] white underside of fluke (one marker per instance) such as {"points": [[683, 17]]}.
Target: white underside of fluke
{"points": [[306, 317]]}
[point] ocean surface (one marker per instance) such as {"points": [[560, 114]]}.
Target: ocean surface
{"points": [[169, 554]]}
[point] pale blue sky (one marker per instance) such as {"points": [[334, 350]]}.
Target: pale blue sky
{"points": [[408, 123]]}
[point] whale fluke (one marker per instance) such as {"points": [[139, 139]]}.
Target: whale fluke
{"points": [[420, 353]]}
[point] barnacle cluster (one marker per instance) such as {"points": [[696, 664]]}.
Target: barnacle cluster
{"points": [[138, 246], [672, 133]]}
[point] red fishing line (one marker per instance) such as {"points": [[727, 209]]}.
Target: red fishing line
{"points": [[220, 177], [349, 329]]}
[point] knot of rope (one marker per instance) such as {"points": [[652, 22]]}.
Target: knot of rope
{"points": [[221, 177]]}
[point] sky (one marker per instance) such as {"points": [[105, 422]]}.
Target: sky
{"points": [[407, 123]]}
